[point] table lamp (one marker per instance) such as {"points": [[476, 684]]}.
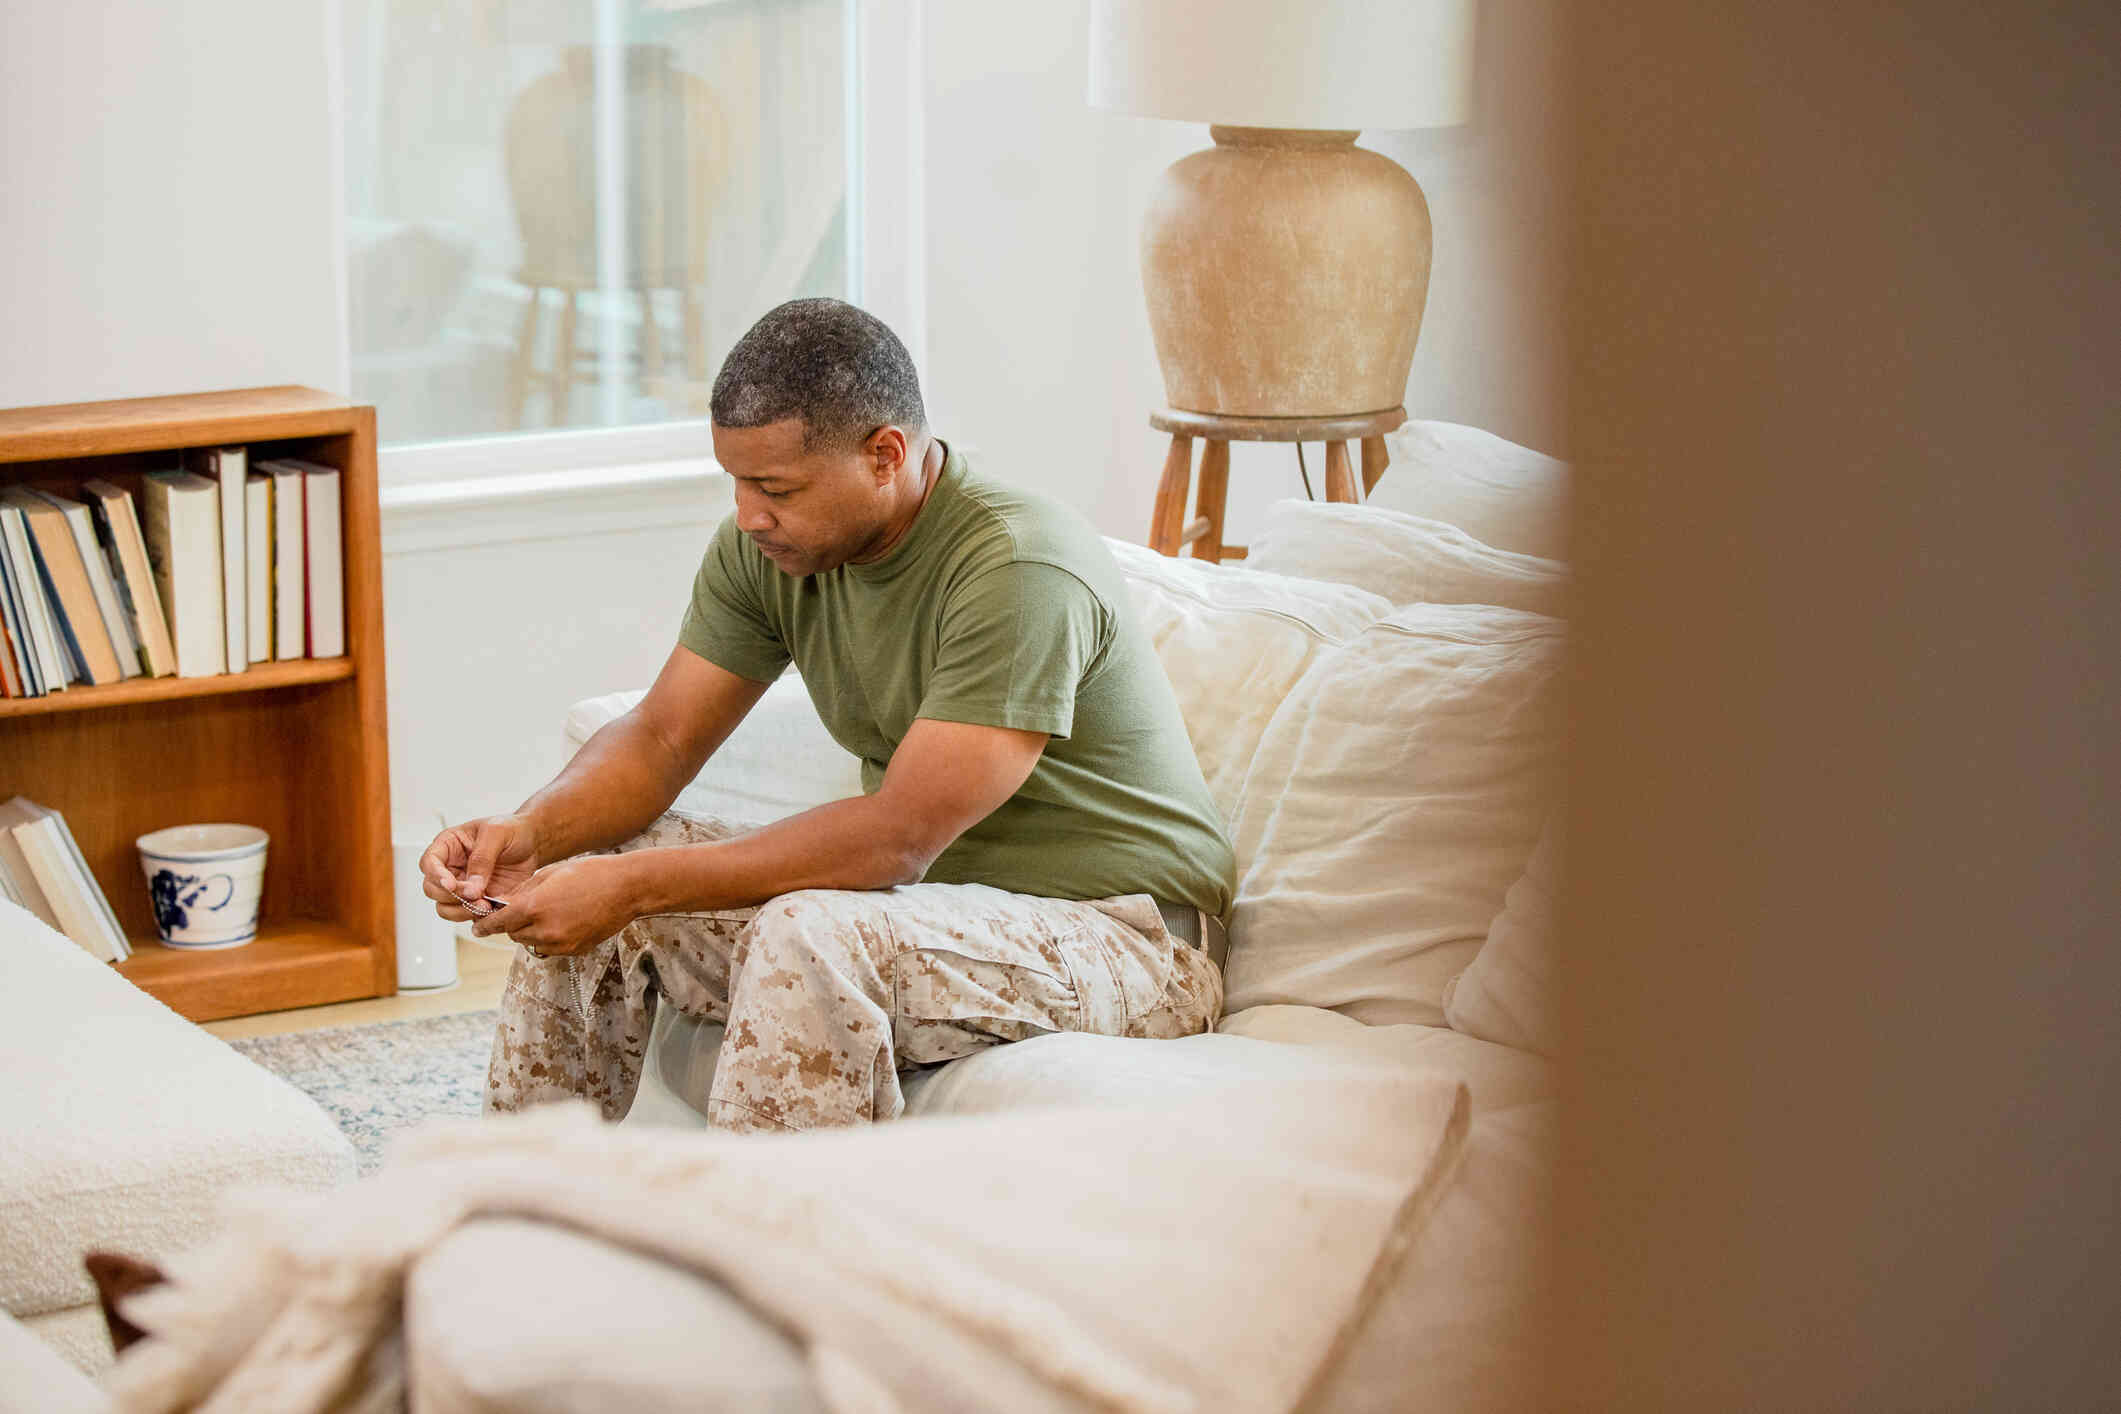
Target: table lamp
{"points": [[1286, 269]]}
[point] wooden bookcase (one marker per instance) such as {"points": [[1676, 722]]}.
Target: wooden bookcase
{"points": [[296, 748]]}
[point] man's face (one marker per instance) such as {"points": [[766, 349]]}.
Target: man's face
{"points": [[808, 511]]}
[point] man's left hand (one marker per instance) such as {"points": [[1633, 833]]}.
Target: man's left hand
{"points": [[565, 908]]}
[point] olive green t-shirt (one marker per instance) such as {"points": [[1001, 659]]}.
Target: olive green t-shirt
{"points": [[1001, 609]]}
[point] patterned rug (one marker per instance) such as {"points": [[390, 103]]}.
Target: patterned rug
{"points": [[376, 1080]]}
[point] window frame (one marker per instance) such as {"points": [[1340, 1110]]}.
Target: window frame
{"points": [[886, 255]]}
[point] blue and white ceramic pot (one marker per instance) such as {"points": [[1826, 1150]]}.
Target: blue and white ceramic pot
{"points": [[205, 882]]}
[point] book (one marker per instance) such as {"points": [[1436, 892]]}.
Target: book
{"points": [[323, 561], [21, 653], [290, 574], [116, 621], [257, 562], [15, 864], [11, 685], [66, 580], [30, 601], [118, 525], [226, 468], [60, 871], [181, 524]]}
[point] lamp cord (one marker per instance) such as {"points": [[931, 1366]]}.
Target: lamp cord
{"points": [[1304, 472]]}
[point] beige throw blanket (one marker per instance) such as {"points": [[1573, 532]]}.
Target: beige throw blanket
{"points": [[1214, 1250]]}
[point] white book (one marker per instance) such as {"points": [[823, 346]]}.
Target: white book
{"points": [[16, 864], [29, 586], [124, 646], [118, 526], [53, 865], [257, 560], [107, 917], [290, 572], [323, 560], [181, 522], [226, 467]]}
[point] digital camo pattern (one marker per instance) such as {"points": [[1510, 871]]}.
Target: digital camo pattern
{"points": [[826, 994]]}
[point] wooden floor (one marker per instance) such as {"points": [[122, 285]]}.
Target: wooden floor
{"points": [[482, 968]]}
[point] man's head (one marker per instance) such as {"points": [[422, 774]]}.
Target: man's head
{"points": [[819, 423]]}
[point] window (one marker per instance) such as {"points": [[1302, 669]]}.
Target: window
{"points": [[561, 213]]}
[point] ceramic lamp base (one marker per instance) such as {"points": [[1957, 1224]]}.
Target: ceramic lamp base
{"points": [[1286, 272]]}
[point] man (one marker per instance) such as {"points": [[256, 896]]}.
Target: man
{"points": [[1035, 845]]}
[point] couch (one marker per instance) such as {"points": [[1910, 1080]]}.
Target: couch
{"points": [[1374, 697], [120, 1126]]}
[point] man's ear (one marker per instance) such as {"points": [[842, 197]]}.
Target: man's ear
{"points": [[886, 448]]}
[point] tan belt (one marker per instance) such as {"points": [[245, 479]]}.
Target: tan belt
{"points": [[1196, 929]]}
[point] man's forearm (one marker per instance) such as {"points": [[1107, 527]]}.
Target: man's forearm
{"points": [[621, 779], [847, 844]]}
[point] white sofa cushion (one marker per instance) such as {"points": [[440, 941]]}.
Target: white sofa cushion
{"points": [[1407, 559], [1233, 641], [1498, 1077], [124, 1121], [780, 759], [1394, 797], [34, 1377], [632, 1333], [1506, 994], [1501, 494]]}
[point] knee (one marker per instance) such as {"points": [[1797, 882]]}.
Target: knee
{"points": [[797, 931]]}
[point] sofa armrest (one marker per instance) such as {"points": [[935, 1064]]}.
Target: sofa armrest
{"points": [[780, 760]]}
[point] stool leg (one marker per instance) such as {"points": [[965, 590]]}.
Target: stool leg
{"points": [[563, 363], [1214, 489], [1168, 521], [526, 360], [1340, 477], [1374, 461]]}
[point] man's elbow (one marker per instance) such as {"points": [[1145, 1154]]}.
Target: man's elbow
{"points": [[905, 862]]}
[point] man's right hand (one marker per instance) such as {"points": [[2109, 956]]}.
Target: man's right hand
{"points": [[478, 858]]}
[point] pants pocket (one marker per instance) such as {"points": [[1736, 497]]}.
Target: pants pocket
{"points": [[948, 1002]]}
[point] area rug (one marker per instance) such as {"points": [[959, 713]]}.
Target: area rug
{"points": [[376, 1080]]}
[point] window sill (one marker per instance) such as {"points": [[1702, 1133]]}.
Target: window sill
{"points": [[552, 505]]}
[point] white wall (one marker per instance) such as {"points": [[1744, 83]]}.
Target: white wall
{"points": [[169, 197], [498, 618], [1038, 338]]}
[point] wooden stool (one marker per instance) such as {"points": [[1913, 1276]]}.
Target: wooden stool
{"points": [[1170, 531]]}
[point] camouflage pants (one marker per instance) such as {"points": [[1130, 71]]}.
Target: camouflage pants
{"points": [[827, 994]]}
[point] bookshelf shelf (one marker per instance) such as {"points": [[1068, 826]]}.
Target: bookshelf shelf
{"points": [[294, 964], [262, 678], [296, 747]]}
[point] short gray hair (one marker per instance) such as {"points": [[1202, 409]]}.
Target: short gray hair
{"points": [[838, 368]]}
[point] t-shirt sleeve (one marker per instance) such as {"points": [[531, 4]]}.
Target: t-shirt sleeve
{"points": [[1013, 647], [726, 623]]}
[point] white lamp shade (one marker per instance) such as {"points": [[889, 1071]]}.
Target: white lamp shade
{"points": [[1285, 63]]}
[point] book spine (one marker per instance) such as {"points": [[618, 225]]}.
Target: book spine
{"points": [[151, 625], [23, 651], [81, 521], [327, 592], [235, 590], [257, 563], [48, 861], [29, 592], [27, 891], [75, 666], [106, 918]]}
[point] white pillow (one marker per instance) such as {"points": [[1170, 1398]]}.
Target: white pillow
{"points": [[1233, 641], [1501, 494], [1394, 797], [1408, 559], [1506, 994]]}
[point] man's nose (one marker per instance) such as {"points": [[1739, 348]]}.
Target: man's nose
{"points": [[751, 515]]}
